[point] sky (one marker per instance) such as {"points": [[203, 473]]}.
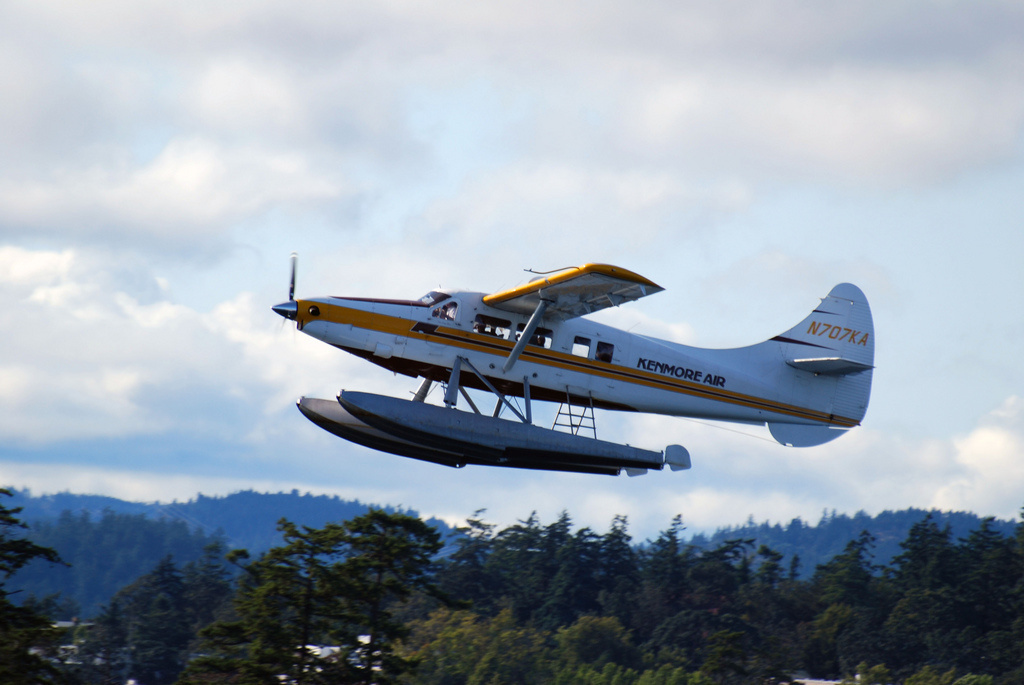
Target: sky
{"points": [[159, 162]]}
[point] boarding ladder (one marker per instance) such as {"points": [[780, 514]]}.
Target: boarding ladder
{"points": [[576, 417]]}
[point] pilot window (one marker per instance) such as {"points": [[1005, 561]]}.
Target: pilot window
{"points": [[447, 312], [489, 325], [541, 336], [432, 298], [604, 352], [581, 346]]}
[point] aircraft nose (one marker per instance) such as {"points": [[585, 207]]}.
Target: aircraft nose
{"points": [[288, 310]]}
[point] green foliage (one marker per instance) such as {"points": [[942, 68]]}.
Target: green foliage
{"points": [[324, 586], [547, 603], [815, 543], [869, 675], [458, 647], [105, 554], [146, 630], [971, 679], [596, 641], [931, 676], [22, 628]]}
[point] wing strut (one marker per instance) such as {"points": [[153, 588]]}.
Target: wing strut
{"points": [[451, 394], [525, 336]]}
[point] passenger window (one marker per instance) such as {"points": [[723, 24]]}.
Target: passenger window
{"points": [[581, 346], [541, 336], [489, 325], [447, 312], [604, 352]]}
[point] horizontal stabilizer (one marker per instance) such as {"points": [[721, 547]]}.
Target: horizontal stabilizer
{"points": [[829, 365]]}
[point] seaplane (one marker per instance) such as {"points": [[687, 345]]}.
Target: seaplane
{"points": [[534, 343]]}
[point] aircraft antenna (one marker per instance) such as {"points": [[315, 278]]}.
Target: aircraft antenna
{"points": [[726, 428], [552, 271]]}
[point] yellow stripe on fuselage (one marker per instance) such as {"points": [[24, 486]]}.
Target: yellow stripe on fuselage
{"points": [[477, 342]]}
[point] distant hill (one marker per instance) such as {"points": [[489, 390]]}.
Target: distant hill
{"points": [[818, 543], [243, 520], [110, 542]]}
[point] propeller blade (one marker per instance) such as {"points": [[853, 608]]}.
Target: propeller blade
{"points": [[290, 309], [291, 285]]}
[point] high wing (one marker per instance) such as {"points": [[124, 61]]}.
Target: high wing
{"points": [[575, 291]]}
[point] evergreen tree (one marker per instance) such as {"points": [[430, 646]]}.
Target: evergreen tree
{"points": [[844, 633], [928, 558], [207, 588], [521, 565], [142, 634], [664, 572], [287, 602], [922, 626], [573, 590], [333, 586], [388, 558], [21, 628], [104, 652], [465, 574], [158, 626], [618, 572]]}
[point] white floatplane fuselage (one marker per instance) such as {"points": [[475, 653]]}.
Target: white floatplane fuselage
{"points": [[809, 384]]}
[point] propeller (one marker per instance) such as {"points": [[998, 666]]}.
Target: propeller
{"points": [[291, 284], [289, 309]]}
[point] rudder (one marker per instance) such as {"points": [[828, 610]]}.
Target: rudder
{"points": [[837, 340]]}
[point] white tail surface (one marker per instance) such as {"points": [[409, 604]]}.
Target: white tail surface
{"points": [[835, 344]]}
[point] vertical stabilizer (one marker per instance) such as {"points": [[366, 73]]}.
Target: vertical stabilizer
{"points": [[836, 345]]}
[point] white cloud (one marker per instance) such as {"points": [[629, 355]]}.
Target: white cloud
{"points": [[648, 109], [239, 96], [88, 359], [867, 124], [19, 266], [191, 187], [990, 477]]}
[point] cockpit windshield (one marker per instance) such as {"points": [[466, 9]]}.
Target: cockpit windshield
{"points": [[432, 298]]}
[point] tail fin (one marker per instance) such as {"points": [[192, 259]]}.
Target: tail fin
{"points": [[835, 346]]}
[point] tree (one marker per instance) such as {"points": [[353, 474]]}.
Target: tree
{"points": [[389, 557], [664, 581], [928, 558], [596, 642], [207, 586], [286, 600], [143, 634], [726, 661], [159, 626], [460, 648], [21, 628], [104, 654], [845, 578], [324, 587], [465, 573]]}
